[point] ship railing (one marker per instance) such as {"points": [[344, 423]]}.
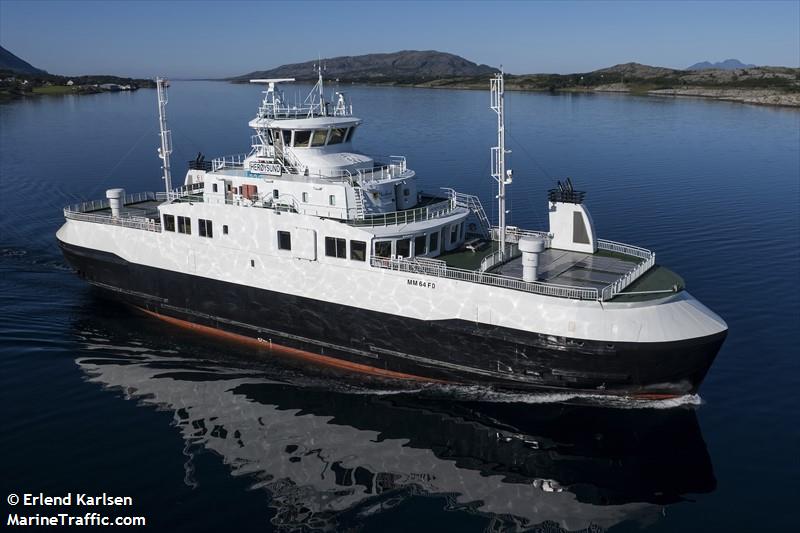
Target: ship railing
{"points": [[396, 168], [438, 268], [235, 161], [88, 212], [513, 234], [397, 218], [497, 258], [625, 249], [617, 287]]}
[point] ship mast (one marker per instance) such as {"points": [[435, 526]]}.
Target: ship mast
{"points": [[166, 135], [499, 172]]}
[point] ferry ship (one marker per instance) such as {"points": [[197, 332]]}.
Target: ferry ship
{"points": [[308, 246]]}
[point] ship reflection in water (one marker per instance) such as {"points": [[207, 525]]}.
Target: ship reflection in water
{"points": [[326, 459]]}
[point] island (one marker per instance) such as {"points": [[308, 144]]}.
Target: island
{"points": [[729, 80]]}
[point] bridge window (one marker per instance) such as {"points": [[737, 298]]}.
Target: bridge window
{"points": [[358, 250], [404, 247], [169, 223], [318, 139], [453, 233], [383, 248], [419, 245], [204, 228], [350, 135], [337, 135], [301, 138], [335, 247], [433, 245], [287, 137], [185, 225], [284, 240]]}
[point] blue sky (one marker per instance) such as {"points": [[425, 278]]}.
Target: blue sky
{"points": [[215, 39]]}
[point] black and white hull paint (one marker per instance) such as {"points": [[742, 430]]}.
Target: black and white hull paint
{"points": [[452, 349], [310, 245]]}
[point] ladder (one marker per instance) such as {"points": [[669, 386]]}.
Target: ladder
{"points": [[473, 203], [359, 192]]}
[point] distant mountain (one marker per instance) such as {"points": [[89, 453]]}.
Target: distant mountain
{"points": [[637, 70], [9, 61], [728, 64], [404, 66]]}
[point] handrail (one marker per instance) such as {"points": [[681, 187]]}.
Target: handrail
{"points": [[84, 213], [416, 266], [496, 258], [420, 214]]}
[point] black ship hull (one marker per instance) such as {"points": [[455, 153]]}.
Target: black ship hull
{"points": [[448, 350]]}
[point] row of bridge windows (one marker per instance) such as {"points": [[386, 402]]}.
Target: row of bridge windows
{"points": [[310, 138]]}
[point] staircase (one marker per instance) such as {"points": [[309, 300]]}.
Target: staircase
{"points": [[359, 193], [473, 203]]}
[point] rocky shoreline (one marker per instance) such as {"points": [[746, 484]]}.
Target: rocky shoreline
{"points": [[745, 96]]}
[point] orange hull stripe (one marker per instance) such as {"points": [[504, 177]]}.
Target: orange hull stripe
{"points": [[294, 352]]}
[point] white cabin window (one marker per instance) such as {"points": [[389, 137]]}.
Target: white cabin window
{"points": [[301, 138], [337, 135], [335, 247], [404, 247], [419, 245], [169, 223], [185, 225], [358, 250], [284, 240], [318, 139], [276, 193], [225, 229], [434, 243], [332, 199], [205, 228], [383, 249], [214, 187], [305, 197]]}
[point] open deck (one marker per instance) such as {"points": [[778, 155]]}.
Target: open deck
{"points": [[139, 211]]}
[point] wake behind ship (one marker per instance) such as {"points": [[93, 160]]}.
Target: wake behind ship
{"points": [[309, 244]]}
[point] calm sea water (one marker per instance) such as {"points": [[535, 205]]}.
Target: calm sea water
{"points": [[206, 436]]}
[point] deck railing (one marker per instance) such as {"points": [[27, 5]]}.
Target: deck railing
{"points": [[87, 212], [408, 216], [440, 269]]}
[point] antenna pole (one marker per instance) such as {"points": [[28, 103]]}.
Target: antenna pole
{"points": [[166, 135], [499, 172], [321, 92]]}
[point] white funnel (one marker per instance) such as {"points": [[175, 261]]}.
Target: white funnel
{"points": [[116, 199], [530, 247]]}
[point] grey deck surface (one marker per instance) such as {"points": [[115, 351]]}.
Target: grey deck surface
{"points": [[147, 209], [572, 268]]}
